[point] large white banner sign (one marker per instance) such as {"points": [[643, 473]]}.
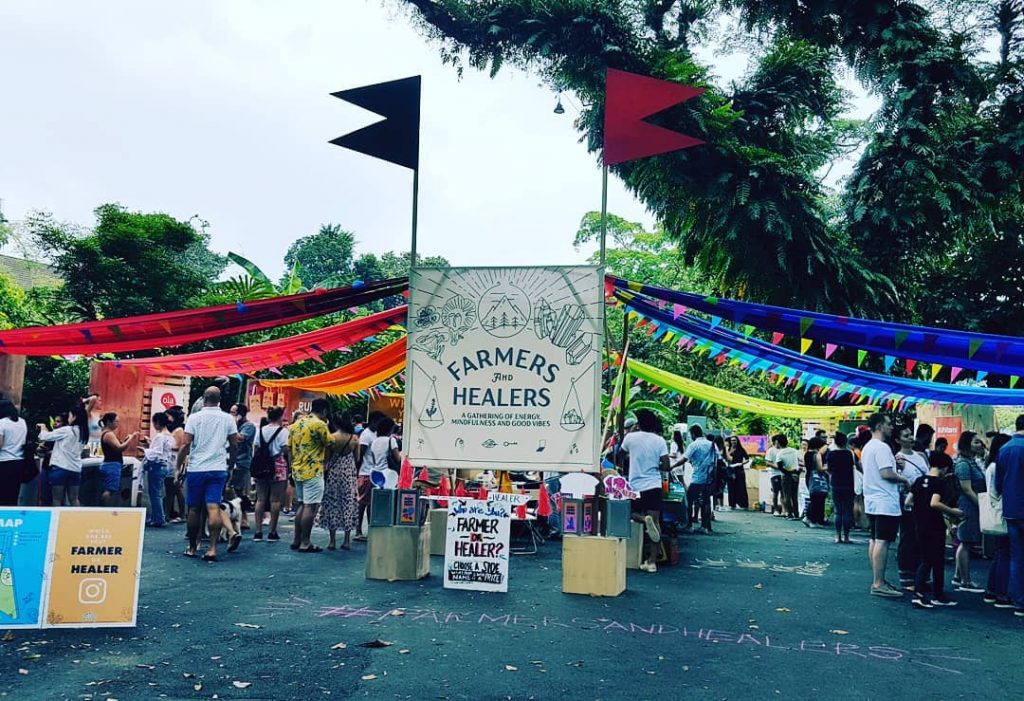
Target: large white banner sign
{"points": [[504, 368]]}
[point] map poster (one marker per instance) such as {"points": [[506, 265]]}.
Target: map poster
{"points": [[504, 368], [97, 560], [24, 543], [476, 547]]}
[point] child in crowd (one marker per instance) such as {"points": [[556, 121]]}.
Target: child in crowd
{"points": [[926, 496], [156, 466]]}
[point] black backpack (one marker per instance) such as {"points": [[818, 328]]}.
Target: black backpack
{"points": [[262, 466]]}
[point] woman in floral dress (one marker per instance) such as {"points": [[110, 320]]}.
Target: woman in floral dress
{"points": [[339, 509]]}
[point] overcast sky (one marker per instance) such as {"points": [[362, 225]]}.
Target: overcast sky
{"points": [[222, 109]]}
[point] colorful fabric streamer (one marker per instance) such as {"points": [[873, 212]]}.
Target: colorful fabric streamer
{"points": [[813, 373], [283, 351], [170, 329], [976, 351], [706, 393], [369, 371]]}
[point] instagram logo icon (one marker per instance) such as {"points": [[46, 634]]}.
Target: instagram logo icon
{"points": [[92, 591]]}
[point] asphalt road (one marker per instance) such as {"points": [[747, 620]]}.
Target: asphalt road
{"points": [[762, 609]]}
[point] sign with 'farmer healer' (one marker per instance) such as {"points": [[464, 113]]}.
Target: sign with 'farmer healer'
{"points": [[504, 367]]}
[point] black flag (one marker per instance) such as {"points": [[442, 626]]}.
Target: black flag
{"points": [[396, 138]]}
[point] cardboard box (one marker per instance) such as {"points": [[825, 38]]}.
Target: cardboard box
{"points": [[438, 524], [398, 553], [593, 565]]}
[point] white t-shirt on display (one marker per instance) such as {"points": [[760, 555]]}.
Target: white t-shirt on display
{"points": [[14, 439], [645, 452], [881, 497], [210, 430]]}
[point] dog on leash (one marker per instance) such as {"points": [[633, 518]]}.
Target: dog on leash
{"points": [[231, 518]]}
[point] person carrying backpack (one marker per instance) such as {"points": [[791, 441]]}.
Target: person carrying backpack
{"points": [[270, 471]]}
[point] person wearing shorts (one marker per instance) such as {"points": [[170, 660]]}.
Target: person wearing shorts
{"points": [[272, 489], [207, 434], [647, 454], [308, 440], [881, 501]]}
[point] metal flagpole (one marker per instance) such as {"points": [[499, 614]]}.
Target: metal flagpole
{"points": [[604, 210], [415, 211]]}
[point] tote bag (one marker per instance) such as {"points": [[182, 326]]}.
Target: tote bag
{"points": [[990, 506]]}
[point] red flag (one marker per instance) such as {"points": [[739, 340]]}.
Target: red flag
{"points": [[629, 99], [460, 488], [405, 475], [424, 476], [543, 502], [521, 509], [444, 491], [482, 494]]}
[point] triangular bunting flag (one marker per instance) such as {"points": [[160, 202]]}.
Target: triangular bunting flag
{"points": [[777, 338], [953, 373], [830, 348], [677, 311], [805, 323], [629, 99], [982, 374], [805, 344], [974, 345], [935, 370], [747, 330], [715, 321], [861, 354], [396, 138], [901, 336], [911, 364], [1013, 381], [889, 360]]}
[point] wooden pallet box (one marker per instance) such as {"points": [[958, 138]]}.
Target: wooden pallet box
{"points": [[593, 565], [396, 553]]}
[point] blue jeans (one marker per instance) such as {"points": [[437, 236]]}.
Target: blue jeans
{"points": [[999, 572], [1015, 526], [155, 472], [842, 501], [699, 497]]}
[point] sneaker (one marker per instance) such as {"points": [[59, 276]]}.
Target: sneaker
{"points": [[922, 602], [648, 567], [1003, 604], [653, 532], [703, 531], [257, 536], [970, 588], [886, 590], [956, 581], [943, 601], [989, 598], [1018, 612], [273, 536]]}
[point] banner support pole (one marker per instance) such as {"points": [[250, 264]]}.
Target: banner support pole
{"points": [[415, 215], [604, 211]]}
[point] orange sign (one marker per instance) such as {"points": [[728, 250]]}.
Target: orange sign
{"points": [[96, 565]]}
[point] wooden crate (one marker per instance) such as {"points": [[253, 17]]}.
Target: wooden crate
{"points": [[438, 524], [593, 565], [395, 553]]}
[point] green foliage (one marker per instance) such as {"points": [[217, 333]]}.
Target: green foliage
{"points": [[52, 385], [937, 182], [130, 263], [325, 258], [13, 312]]}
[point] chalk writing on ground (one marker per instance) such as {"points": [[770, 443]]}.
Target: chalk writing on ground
{"points": [[944, 659], [808, 569]]}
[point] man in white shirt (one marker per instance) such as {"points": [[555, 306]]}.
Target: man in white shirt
{"points": [[787, 460], [881, 500], [363, 484], [647, 453], [703, 455], [207, 434], [771, 457]]}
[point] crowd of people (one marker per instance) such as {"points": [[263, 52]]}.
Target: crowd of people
{"points": [[211, 468]]}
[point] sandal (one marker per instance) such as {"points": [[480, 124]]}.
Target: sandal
{"points": [[236, 540], [189, 553], [311, 549], [331, 547], [209, 558]]}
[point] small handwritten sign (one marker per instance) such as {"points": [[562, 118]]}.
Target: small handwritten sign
{"points": [[477, 544]]}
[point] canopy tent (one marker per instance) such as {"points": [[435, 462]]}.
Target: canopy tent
{"points": [[168, 329], [362, 374], [833, 379], [270, 354], [986, 353], [702, 392]]}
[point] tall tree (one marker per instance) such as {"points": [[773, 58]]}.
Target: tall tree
{"points": [[940, 163], [324, 258], [129, 263]]}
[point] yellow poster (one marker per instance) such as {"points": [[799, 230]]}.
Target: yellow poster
{"points": [[97, 560]]}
